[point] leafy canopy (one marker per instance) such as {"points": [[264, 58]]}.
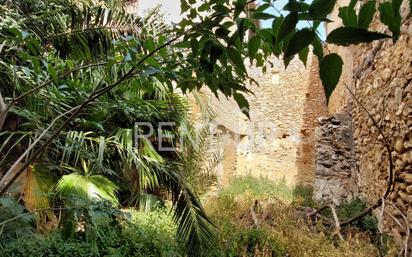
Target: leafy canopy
{"points": [[220, 36], [76, 75]]}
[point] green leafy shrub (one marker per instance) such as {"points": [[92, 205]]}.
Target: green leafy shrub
{"points": [[350, 209], [89, 219], [53, 245], [253, 242], [91, 229], [160, 229], [14, 228], [303, 195], [149, 234]]}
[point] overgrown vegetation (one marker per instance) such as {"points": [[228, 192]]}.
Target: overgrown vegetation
{"points": [[349, 209], [56, 54], [77, 75], [261, 188], [129, 233], [280, 229]]}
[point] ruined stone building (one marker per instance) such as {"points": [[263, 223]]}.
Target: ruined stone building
{"points": [[352, 155], [294, 135], [278, 140], [335, 147]]}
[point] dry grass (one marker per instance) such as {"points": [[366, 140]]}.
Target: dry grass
{"points": [[279, 232]]}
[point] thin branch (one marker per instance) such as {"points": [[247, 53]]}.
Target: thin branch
{"points": [[37, 210], [253, 213], [406, 228], [2, 46], [321, 208], [90, 99], [324, 218], [3, 111], [391, 182], [36, 141], [336, 222], [375, 123], [395, 220], [380, 228], [83, 30], [380, 223]]}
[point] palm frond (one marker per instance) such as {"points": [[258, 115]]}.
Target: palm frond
{"points": [[10, 143], [93, 187], [75, 146], [194, 229], [85, 31], [35, 196], [199, 152], [76, 33]]}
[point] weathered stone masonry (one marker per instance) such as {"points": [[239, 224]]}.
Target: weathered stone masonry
{"points": [[266, 145], [335, 159], [380, 76]]}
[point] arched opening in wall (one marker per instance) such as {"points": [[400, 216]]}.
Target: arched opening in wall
{"points": [[243, 144]]}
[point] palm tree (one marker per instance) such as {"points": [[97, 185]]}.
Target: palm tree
{"points": [[56, 53]]}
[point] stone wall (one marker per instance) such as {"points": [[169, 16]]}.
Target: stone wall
{"points": [[335, 159], [269, 148], [314, 107], [386, 85], [382, 83], [380, 74], [278, 140]]}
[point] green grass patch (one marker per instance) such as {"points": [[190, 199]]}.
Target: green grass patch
{"points": [[259, 188]]}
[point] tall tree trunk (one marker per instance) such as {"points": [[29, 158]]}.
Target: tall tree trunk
{"points": [[3, 111]]}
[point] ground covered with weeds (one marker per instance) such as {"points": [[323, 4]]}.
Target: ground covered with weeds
{"points": [[253, 217], [256, 217]]}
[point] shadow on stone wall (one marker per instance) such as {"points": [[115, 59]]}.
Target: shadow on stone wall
{"points": [[314, 107]]}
